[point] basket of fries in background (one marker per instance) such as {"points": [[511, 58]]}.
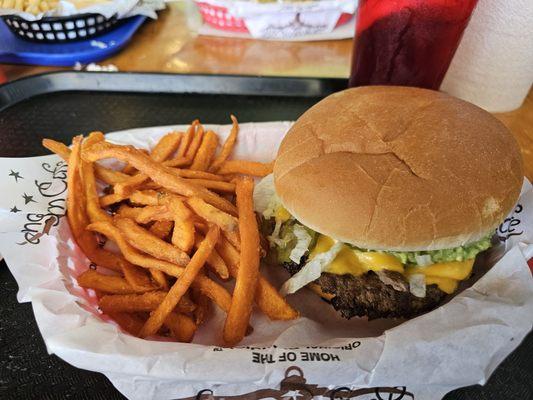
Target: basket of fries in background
{"points": [[51, 21], [169, 233]]}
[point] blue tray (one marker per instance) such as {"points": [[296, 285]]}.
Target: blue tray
{"points": [[14, 50]]}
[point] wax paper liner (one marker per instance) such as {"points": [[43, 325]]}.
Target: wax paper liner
{"points": [[320, 354], [122, 8]]}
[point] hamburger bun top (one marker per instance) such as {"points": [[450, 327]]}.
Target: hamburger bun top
{"points": [[398, 168]]}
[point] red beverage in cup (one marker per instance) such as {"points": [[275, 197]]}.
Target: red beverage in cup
{"points": [[407, 42]]}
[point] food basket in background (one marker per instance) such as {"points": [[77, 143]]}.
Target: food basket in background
{"points": [[65, 21], [276, 19], [221, 18], [61, 29]]}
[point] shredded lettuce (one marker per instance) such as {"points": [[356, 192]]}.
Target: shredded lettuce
{"points": [[311, 271], [265, 199], [417, 285], [303, 240]]}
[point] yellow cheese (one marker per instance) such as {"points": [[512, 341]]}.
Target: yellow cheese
{"points": [[282, 214], [354, 262], [458, 270], [447, 285]]}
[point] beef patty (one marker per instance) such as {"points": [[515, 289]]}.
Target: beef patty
{"points": [[382, 294]]}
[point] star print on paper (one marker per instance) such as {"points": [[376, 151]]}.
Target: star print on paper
{"points": [[15, 175], [15, 209], [28, 199], [292, 394]]}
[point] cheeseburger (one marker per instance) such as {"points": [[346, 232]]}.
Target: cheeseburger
{"points": [[382, 197]]}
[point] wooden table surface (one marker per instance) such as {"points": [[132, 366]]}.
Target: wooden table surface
{"points": [[170, 44]]}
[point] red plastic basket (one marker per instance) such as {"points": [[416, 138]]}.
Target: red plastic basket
{"points": [[218, 17]]}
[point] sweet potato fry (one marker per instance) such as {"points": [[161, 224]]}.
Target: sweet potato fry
{"points": [[129, 170], [228, 146], [143, 240], [186, 279], [94, 137], [205, 152], [228, 223], [109, 176], [166, 146], [248, 273], [187, 173], [183, 232], [157, 172], [225, 221], [244, 167], [150, 185], [58, 148], [195, 144], [161, 229], [159, 278], [126, 211], [140, 302], [106, 283], [125, 188], [144, 215], [217, 186], [154, 213], [175, 204], [267, 298], [136, 276], [186, 140], [110, 199], [177, 162], [214, 291], [145, 197], [129, 322], [181, 326], [94, 211], [77, 215], [214, 262]]}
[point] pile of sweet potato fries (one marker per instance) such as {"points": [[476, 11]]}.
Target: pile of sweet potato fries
{"points": [[182, 219]]}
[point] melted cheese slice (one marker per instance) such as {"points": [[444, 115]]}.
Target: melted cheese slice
{"points": [[457, 270], [282, 214], [354, 262], [447, 285]]}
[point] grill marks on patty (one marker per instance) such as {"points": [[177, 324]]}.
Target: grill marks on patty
{"points": [[368, 295]]}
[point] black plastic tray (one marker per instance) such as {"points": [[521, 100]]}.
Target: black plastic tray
{"points": [[60, 105]]}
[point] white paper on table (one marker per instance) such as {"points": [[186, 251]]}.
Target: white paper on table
{"points": [[121, 8], [458, 344]]}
